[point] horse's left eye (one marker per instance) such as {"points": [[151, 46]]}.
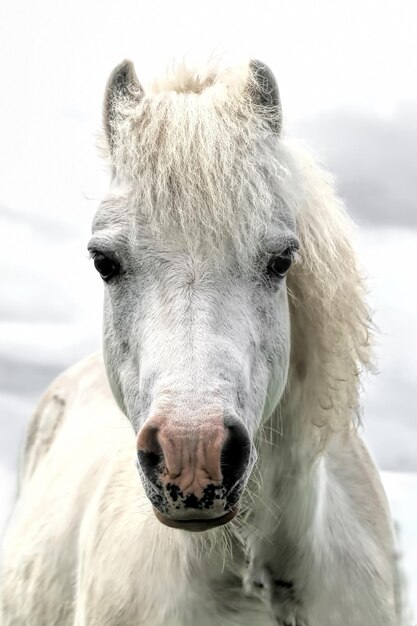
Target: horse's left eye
{"points": [[106, 267], [278, 266]]}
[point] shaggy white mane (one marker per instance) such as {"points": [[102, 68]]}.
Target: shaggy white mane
{"points": [[331, 323], [198, 151]]}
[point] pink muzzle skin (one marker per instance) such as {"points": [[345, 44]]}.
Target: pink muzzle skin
{"points": [[190, 472]]}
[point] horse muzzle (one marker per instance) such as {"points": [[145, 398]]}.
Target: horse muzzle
{"points": [[194, 475]]}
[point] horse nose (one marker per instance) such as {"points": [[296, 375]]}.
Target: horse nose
{"points": [[189, 458], [150, 453], [236, 452]]}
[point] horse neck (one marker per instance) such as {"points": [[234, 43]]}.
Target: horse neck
{"points": [[284, 492]]}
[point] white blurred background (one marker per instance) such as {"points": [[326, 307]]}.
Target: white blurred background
{"points": [[347, 75]]}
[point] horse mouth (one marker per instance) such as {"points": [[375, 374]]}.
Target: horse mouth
{"points": [[196, 525]]}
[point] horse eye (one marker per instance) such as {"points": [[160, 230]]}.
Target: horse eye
{"points": [[107, 268], [278, 266]]}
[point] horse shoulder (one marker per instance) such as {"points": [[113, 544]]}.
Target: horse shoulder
{"points": [[52, 411], [70, 440]]}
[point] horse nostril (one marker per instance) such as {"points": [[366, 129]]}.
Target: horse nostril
{"points": [[235, 453], [149, 461], [150, 452]]}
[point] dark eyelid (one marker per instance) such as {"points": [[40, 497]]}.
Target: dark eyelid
{"points": [[97, 246], [278, 246], [292, 246]]}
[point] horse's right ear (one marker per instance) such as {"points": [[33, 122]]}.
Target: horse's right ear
{"points": [[122, 87], [264, 93]]}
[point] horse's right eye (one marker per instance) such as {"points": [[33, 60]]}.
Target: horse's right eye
{"points": [[278, 266], [106, 267]]}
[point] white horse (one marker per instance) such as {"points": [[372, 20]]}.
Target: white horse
{"points": [[235, 334]]}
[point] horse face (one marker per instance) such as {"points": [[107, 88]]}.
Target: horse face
{"points": [[196, 335], [197, 351]]}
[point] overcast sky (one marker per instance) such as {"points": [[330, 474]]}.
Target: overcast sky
{"points": [[356, 57]]}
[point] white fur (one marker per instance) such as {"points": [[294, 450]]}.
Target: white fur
{"points": [[200, 181]]}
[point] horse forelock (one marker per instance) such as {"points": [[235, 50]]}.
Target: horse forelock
{"points": [[197, 152]]}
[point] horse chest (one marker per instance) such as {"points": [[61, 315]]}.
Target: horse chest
{"points": [[281, 599], [243, 600], [228, 605]]}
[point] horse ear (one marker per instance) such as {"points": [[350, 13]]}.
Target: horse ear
{"points": [[265, 94], [123, 86]]}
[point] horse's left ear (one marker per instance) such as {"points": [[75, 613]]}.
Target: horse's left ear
{"points": [[264, 92], [123, 90]]}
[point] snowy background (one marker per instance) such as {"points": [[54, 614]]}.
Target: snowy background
{"points": [[347, 75]]}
